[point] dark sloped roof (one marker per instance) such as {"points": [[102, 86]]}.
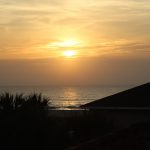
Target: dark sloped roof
{"points": [[135, 97]]}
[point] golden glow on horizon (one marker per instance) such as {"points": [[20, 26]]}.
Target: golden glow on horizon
{"points": [[73, 25], [69, 53]]}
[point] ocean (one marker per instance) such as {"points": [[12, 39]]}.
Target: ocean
{"points": [[65, 97]]}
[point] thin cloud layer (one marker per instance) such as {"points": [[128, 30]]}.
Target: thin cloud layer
{"points": [[112, 38], [28, 22]]}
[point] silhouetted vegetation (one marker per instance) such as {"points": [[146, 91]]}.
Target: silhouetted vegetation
{"points": [[25, 124], [22, 120], [32, 102]]}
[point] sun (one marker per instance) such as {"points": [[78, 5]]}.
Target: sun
{"points": [[69, 53], [66, 48]]}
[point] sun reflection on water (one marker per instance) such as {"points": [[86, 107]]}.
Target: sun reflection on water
{"points": [[71, 95]]}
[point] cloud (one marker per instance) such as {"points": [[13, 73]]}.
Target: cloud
{"points": [[108, 70], [49, 49], [26, 29]]}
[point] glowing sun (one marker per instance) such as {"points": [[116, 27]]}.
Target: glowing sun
{"points": [[69, 53]]}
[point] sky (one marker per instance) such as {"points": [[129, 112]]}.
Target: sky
{"points": [[110, 40]]}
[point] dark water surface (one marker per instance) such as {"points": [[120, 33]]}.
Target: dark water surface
{"points": [[63, 97]]}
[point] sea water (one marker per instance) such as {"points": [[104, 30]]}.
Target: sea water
{"points": [[64, 97]]}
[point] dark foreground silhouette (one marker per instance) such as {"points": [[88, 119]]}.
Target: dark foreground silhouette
{"points": [[22, 121], [136, 137], [134, 97], [25, 124]]}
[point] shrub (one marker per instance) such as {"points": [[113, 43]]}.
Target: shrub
{"points": [[9, 102]]}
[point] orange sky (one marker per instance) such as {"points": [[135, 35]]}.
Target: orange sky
{"points": [[102, 34]]}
